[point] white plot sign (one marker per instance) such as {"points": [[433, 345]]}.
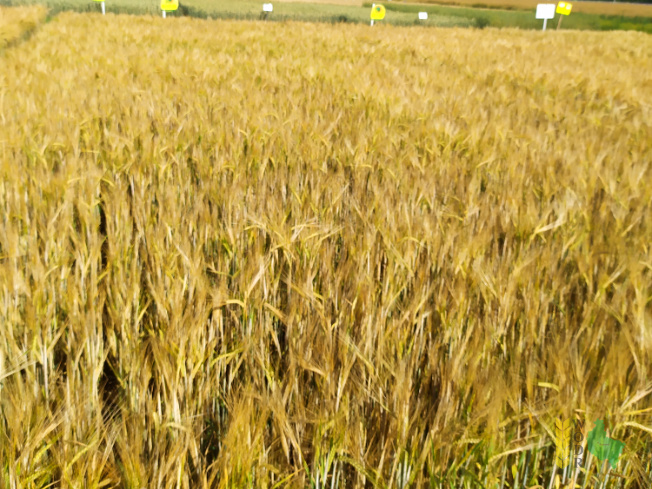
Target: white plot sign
{"points": [[546, 11], [268, 7], [423, 15]]}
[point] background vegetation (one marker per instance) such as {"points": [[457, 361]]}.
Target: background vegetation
{"points": [[590, 15], [525, 19], [247, 10], [245, 254], [624, 9]]}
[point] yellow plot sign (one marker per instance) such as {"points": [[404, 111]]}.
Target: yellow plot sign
{"points": [[169, 5], [377, 12], [564, 8]]}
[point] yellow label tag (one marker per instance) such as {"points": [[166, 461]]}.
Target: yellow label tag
{"points": [[169, 5], [564, 8], [377, 12]]}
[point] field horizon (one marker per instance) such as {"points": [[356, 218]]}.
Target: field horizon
{"points": [[518, 13]]}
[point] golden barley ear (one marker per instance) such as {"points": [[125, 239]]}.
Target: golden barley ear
{"points": [[562, 442]]}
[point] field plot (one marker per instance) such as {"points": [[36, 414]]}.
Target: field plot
{"points": [[342, 11], [245, 254]]}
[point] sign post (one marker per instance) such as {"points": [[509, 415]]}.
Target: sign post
{"points": [[563, 8], [103, 6], [423, 15], [377, 13], [545, 11], [169, 6], [267, 8]]}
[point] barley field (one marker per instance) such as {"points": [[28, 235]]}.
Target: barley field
{"points": [[265, 255]]}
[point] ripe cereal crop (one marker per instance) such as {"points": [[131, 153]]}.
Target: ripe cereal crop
{"points": [[246, 254]]}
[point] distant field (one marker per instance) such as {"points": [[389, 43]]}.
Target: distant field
{"points": [[354, 3], [525, 19], [600, 8], [320, 11], [348, 11]]}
